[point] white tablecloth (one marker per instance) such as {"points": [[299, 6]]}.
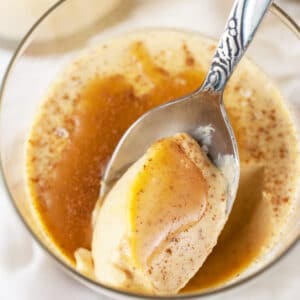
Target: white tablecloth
{"points": [[27, 273]]}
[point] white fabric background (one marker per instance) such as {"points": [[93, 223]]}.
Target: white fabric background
{"points": [[27, 273]]}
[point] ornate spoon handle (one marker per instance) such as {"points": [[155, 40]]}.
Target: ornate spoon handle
{"points": [[241, 26]]}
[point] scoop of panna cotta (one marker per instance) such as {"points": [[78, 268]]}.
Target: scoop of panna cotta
{"points": [[160, 221]]}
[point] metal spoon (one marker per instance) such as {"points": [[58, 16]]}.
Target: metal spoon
{"points": [[202, 108]]}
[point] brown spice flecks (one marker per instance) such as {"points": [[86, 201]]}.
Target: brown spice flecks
{"points": [[169, 251], [285, 200], [189, 58]]}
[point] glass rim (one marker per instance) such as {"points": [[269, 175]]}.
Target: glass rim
{"points": [[283, 17]]}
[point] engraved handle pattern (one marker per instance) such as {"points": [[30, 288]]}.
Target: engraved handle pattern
{"points": [[241, 26]]}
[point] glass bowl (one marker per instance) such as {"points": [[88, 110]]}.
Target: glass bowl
{"points": [[38, 60], [28, 11]]}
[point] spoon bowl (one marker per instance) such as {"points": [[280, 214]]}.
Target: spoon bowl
{"points": [[200, 114]]}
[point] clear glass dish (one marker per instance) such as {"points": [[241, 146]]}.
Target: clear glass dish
{"points": [[37, 61], [28, 11]]}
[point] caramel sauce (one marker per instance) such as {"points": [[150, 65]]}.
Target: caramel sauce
{"points": [[242, 237], [105, 107]]}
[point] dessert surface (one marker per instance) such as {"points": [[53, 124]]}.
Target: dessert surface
{"points": [[161, 219], [98, 96]]}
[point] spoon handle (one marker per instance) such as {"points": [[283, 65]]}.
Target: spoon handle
{"points": [[244, 18]]}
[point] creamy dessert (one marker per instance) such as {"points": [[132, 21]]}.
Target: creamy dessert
{"points": [[161, 219], [91, 104]]}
